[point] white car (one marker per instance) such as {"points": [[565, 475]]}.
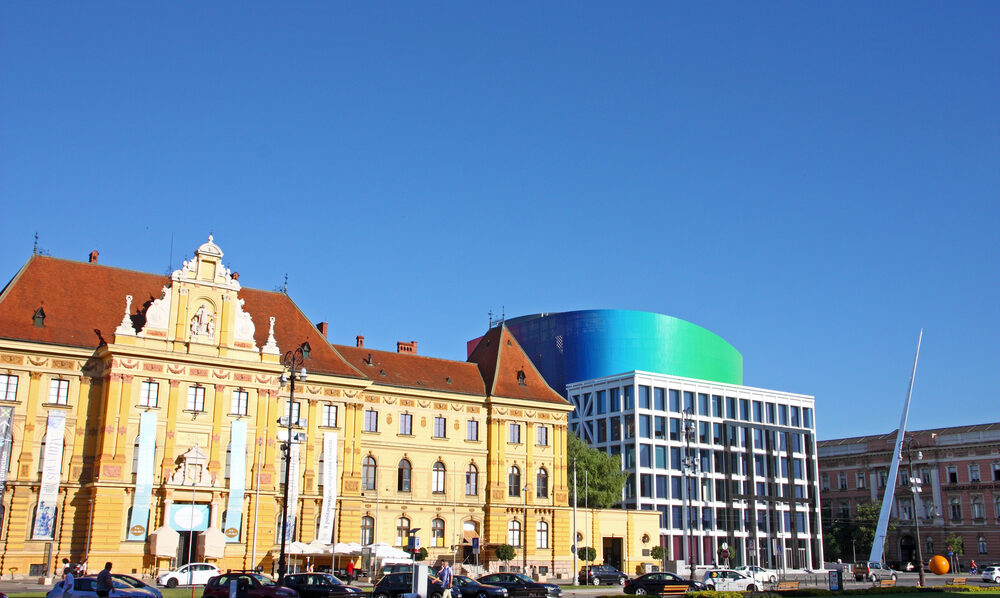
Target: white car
{"points": [[192, 574], [991, 573], [761, 574], [729, 580]]}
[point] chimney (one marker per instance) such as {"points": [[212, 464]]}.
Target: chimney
{"points": [[360, 340], [322, 326], [93, 256], [410, 347]]}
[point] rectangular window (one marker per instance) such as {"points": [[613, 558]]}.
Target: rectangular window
{"points": [[646, 485], [542, 436], [514, 433], [675, 428], [602, 430], [149, 391], [660, 428], [629, 427], [659, 402], [644, 431], [406, 424], [807, 416], [974, 473], [860, 479], [602, 405], [8, 387], [371, 420], [689, 401], [675, 400], [614, 400], [703, 404], [770, 413], [824, 481], [716, 406], [616, 429], [59, 392], [703, 433], [292, 411], [644, 397], [661, 457], [628, 456], [783, 415], [676, 487], [675, 458], [627, 399], [758, 409], [240, 402], [744, 409], [645, 455], [952, 474], [731, 407], [196, 398], [795, 416], [329, 415], [472, 430], [440, 427], [842, 481]]}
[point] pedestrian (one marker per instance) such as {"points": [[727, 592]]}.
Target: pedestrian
{"points": [[104, 582], [68, 581], [446, 579], [350, 571], [973, 568]]}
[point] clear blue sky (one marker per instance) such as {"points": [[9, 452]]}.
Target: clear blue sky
{"points": [[812, 181]]}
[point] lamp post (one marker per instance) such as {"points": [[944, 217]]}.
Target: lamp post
{"points": [[293, 370], [689, 467], [524, 541], [915, 488]]}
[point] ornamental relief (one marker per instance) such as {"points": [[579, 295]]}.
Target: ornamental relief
{"points": [[13, 359]]}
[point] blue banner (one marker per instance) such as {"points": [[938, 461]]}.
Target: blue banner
{"points": [[237, 481], [139, 522]]}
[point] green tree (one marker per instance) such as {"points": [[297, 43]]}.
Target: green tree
{"points": [[421, 554], [865, 524], [506, 553], [659, 552], [605, 478], [956, 544], [586, 553]]}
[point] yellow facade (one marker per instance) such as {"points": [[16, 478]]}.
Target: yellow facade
{"points": [[187, 356]]}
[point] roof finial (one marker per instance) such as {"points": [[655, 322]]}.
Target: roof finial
{"points": [[34, 250], [284, 288]]}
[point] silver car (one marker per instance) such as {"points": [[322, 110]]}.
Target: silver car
{"points": [[86, 587]]}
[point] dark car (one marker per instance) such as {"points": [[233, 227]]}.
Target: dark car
{"points": [[249, 584], [598, 574], [521, 586], [137, 583], [473, 589], [394, 585], [318, 585], [653, 583]]}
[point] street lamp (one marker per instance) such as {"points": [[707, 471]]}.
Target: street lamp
{"points": [[524, 541], [689, 467], [293, 370], [916, 489]]}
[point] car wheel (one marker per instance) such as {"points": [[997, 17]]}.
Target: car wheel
{"points": [[482, 595], [380, 595], [640, 591], [621, 581], [893, 577], [597, 581], [773, 579], [172, 582], [436, 595], [751, 588], [710, 588], [873, 578]]}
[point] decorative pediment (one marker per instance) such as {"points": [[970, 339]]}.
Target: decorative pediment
{"points": [[158, 312], [206, 267], [192, 469]]}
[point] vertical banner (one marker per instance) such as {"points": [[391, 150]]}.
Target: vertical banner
{"points": [[143, 477], [237, 481], [293, 490], [5, 441], [48, 494], [325, 532]]}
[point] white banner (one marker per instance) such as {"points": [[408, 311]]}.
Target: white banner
{"points": [[48, 494], [293, 490], [325, 532]]}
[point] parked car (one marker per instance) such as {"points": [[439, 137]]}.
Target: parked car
{"points": [[519, 585], [318, 585], [401, 568], [991, 573], [598, 574], [473, 589], [872, 571], [760, 574], [86, 587], [653, 583], [137, 583], [729, 580], [196, 574], [256, 586], [394, 585]]}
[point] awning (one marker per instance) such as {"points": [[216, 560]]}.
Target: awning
{"points": [[468, 535]]}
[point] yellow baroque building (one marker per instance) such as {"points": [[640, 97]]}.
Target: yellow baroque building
{"points": [[139, 424]]}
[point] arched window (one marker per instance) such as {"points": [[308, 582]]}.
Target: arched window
{"points": [[368, 469], [514, 532], [403, 471], [437, 532], [472, 480], [981, 544], [402, 531], [514, 481], [229, 459], [135, 456], [367, 530], [542, 535], [437, 478], [930, 545], [978, 509], [542, 483], [321, 474]]}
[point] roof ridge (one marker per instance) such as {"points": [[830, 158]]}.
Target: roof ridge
{"points": [[406, 355]]}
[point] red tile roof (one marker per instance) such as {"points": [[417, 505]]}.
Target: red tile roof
{"points": [[415, 371], [508, 371], [84, 303]]}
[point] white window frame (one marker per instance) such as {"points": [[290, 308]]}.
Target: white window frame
{"points": [[514, 433], [542, 534], [438, 474], [59, 391], [149, 392], [196, 398], [371, 421], [472, 429], [406, 424], [240, 403], [440, 426], [8, 387], [542, 436], [329, 415]]}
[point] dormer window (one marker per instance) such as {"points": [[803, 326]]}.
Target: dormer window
{"points": [[39, 318]]}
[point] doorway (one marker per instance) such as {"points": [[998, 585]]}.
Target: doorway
{"points": [[187, 548], [612, 552]]}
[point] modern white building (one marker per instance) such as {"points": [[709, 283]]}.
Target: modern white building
{"points": [[748, 457]]}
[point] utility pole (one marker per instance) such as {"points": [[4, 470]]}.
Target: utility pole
{"points": [[574, 546]]}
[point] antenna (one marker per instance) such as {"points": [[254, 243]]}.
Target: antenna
{"points": [[284, 288], [34, 250]]}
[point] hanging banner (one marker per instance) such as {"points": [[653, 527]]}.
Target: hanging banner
{"points": [[325, 532], [48, 494], [293, 490], [189, 517], [137, 525], [237, 481], [5, 445]]}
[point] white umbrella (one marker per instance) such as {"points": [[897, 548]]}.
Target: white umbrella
{"points": [[382, 550], [347, 548]]}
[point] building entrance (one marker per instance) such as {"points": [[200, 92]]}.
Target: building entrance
{"points": [[187, 548], [612, 552]]}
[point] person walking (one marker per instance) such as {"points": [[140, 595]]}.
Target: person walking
{"points": [[350, 572], [68, 581], [446, 579], [104, 582]]}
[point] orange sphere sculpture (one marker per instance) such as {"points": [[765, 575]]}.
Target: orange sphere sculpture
{"points": [[939, 565]]}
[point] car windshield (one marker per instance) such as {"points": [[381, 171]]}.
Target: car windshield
{"points": [[461, 580], [523, 577]]}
